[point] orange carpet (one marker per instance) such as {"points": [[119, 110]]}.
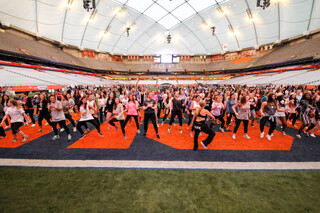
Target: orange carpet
{"points": [[28, 130], [111, 139], [223, 141]]}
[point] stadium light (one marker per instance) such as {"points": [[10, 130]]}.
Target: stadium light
{"points": [[89, 5], [264, 5]]}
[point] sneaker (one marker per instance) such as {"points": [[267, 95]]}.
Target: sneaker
{"points": [[2, 137], [69, 137], [40, 130], [144, 134], [162, 123], [86, 131], [307, 134], [252, 125], [200, 133], [284, 133], [158, 136], [125, 137], [7, 127], [168, 130], [56, 137], [312, 135], [272, 134], [83, 135], [100, 134], [109, 127], [24, 138], [158, 125], [74, 129], [247, 136], [116, 128], [180, 131], [174, 124], [14, 140], [204, 145], [47, 124], [138, 131], [261, 134], [191, 135], [221, 129], [62, 129], [233, 136], [298, 136], [33, 125], [268, 137]]}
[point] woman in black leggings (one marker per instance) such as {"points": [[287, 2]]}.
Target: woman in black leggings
{"points": [[292, 114], [86, 116], [56, 110], [66, 107], [268, 111], [43, 111], [199, 120], [309, 110], [28, 107], [118, 116]]}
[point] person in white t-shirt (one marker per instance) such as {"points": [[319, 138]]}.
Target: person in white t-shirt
{"points": [[57, 114], [86, 116], [17, 116]]}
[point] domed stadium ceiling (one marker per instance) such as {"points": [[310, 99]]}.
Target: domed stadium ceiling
{"points": [[195, 26]]}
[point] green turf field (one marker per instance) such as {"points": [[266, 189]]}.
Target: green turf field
{"points": [[89, 190]]}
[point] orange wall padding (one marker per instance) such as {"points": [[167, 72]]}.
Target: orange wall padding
{"points": [[241, 60]]}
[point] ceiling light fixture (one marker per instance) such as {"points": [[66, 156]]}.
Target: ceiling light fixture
{"points": [[69, 4], [213, 28], [128, 30], [220, 10], [249, 14], [93, 14]]}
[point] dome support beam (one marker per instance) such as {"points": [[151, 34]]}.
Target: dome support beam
{"points": [[279, 22], [205, 21], [130, 26], [235, 36], [109, 25], [64, 23], [36, 11], [186, 27], [85, 29], [254, 25], [309, 22]]}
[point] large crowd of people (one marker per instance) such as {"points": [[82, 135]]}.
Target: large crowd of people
{"points": [[221, 105]]}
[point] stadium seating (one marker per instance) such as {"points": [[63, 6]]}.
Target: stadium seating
{"points": [[18, 76], [307, 77], [23, 44]]}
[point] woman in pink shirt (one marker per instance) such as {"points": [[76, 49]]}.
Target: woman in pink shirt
{"points": [[132, 111], [217, 106]]}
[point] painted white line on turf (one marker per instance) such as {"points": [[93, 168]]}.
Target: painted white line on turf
{"points": [[161, 164]]}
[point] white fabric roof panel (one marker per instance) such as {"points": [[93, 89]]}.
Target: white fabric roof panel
{"points": [[150, 21]]}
